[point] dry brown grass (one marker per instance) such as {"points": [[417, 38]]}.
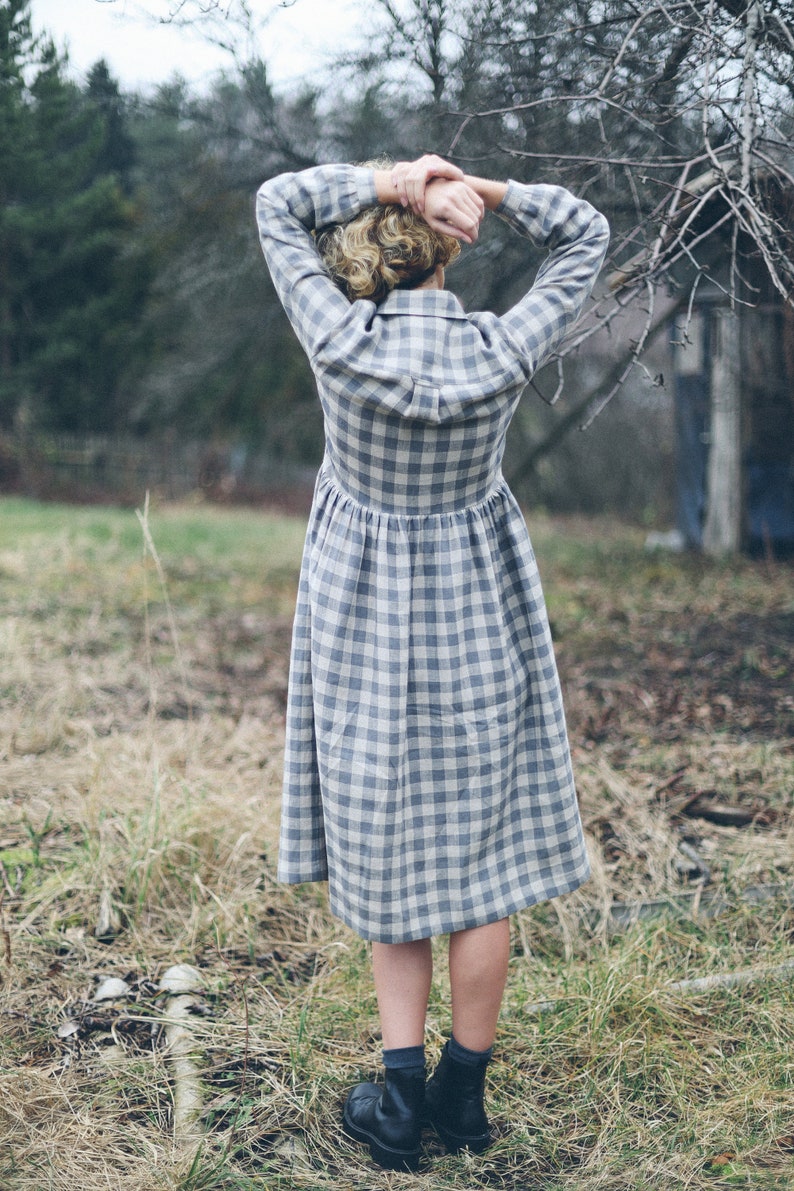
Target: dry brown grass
{"points": [[140, 752]]}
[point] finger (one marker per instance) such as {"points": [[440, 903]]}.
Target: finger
{"points": [[416, 182], [467, 234], [459, 196], [427, 168], [437, 167], [467, 208], [470, 231], [475, 198], [471, 202], [461, 211], [475, 214], [399, 171]]}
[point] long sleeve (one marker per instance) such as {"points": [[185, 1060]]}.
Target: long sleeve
{"points": [[288, 208], [577, 236]]}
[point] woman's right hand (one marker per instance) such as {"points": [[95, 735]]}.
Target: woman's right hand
{"points": [[410, 179]]}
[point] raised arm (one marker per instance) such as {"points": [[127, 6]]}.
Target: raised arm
{"points": [[550, 216], [288, 209], [577, 236]]}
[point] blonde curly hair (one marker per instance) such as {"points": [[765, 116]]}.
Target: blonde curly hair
{"points": [[386, 247]]}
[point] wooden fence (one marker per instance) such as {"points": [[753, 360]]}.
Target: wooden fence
{"points": [[97, 467]]}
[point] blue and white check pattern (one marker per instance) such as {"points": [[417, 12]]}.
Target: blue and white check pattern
{"points": [[427, 771]]}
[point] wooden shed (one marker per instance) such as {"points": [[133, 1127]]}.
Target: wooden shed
{"points": [[733, 372], [734, 417]]}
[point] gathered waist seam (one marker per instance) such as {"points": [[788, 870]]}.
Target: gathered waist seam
{"points": [[328, 476]]}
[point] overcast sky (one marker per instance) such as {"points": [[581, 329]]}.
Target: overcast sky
{"points": [[296, 41]]}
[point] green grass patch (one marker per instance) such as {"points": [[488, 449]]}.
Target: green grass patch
{"points": [[141, 733]]}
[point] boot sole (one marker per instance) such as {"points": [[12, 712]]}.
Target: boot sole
{"points": [[455, 1143], [385, 1156]]}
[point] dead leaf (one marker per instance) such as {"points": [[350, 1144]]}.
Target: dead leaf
{"points": [[719, 1160]]}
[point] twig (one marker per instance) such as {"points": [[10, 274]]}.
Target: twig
{"points": [[143, 518], [181, 983], [5, 935], [707, 903], [732, 979], [700, 984], [697, 860]]}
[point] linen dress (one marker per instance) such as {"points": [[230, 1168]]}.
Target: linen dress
{"points": [[427, 771]]}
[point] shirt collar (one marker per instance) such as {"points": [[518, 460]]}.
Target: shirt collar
{"points": [[435, 303]]}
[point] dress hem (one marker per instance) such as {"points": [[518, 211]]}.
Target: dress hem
{"points": [[468, 922]]}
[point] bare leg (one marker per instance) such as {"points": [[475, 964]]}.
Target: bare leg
{"points": [[402, 972], [478, 960]]}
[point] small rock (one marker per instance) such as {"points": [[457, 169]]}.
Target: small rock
{"points": [[67, 1028], [182, 978], [111, 989], [290, 1147], [672, 540]]}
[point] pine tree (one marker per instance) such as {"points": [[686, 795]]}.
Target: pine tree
{"points": [[17, 47], [70, 296], [117, 155]]}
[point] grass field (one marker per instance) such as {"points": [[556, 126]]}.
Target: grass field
{"points": [[142, 691]]}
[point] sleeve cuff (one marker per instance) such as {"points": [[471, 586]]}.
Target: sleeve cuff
{"points": [[510, 204], [365, 185]]}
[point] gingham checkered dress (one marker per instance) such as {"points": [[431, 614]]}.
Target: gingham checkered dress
{"points": [[427, 772]]}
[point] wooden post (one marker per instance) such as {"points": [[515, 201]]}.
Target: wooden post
{"points": [[722, 530]]}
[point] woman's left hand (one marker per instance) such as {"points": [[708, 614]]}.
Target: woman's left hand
{"points": [[454, 209]]}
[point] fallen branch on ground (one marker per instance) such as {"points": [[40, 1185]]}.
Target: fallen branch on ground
{"points": [[699, 984]]}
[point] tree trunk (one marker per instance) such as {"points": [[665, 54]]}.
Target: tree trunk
{"points": [[722, 531]]}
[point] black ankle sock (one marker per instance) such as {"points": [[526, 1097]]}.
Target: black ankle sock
{"points": [[462, 1054], [405, 1058]]}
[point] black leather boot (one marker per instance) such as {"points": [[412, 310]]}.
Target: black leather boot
{"points": [[388, 1118], [454, 1104]]}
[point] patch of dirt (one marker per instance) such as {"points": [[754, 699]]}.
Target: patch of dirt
{"points": [[666, 675], [231, 665], [660, 675]]}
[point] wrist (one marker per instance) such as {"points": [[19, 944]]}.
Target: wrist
{"points": [[491, 193], [384, 186]]}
